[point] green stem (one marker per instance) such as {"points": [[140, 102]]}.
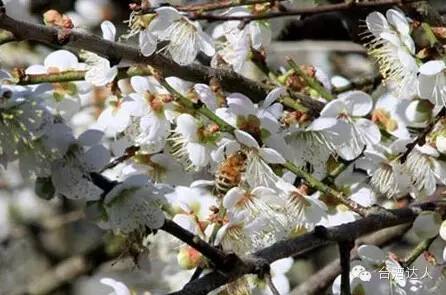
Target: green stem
{"points": [[198, 107], [291, 103], [322, 187], [311, 81], [417, 251], [429, 34], [69, 76]]}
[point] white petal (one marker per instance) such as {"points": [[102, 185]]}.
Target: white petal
{"points": [[246, 139], [35, 69], [443, 230], [206, 44], [239, 104], [90, 137], [165, 16], [273, 96], [371, 254], [187, 222], [368, 130], [61, 59], [333, 108], [398, 20], [147, 42], [232, 197], [282, 266], [198, 154], [359, 103], [320, 124], [108, 30], [206, 95], [432, 67], [187, 126], [376, 23], [427, 225], [271, 156], [97, 157], [118, 287]]}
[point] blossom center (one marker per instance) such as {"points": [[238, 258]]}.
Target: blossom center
{"points": [[383, 119]]}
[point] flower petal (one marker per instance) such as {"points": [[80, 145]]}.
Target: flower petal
{"points": [[147, 42], [246, 139], [271, 156], [108, 30]]}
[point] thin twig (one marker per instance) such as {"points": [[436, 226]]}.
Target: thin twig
{"points": [[209, 6], [21, 78], [422, 247], [421, 138], [346, 6]]}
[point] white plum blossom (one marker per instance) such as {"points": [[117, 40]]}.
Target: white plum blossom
{"points": [[425, 169], [190, 143], [64, 97], [151, 105], [393, 47], [162, 168], [237, 43], [241, 165], [100, 72], [301, 210], [432, 82], [133, 205], [349, 108], [193, 201], [389, 115], [186, 38]]}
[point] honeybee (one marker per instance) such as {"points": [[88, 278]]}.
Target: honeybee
{"points": [[229, 172]]}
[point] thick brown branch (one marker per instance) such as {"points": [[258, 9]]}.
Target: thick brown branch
{"points": [[321, 280], [344, 254], [319, 237], [229, 80]]}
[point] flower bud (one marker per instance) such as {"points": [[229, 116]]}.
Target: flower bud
{"points": [[188, 257], [419, 111]]}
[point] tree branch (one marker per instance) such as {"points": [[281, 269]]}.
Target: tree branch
{"points": [[417, 251], [215, 255], [229, 80], [421, 138], [345, 6], [302, 244], [344, 254], [320, 280], [209, 6]]}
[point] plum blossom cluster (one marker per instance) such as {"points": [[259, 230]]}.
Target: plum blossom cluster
{"points": [[238, 172]]}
